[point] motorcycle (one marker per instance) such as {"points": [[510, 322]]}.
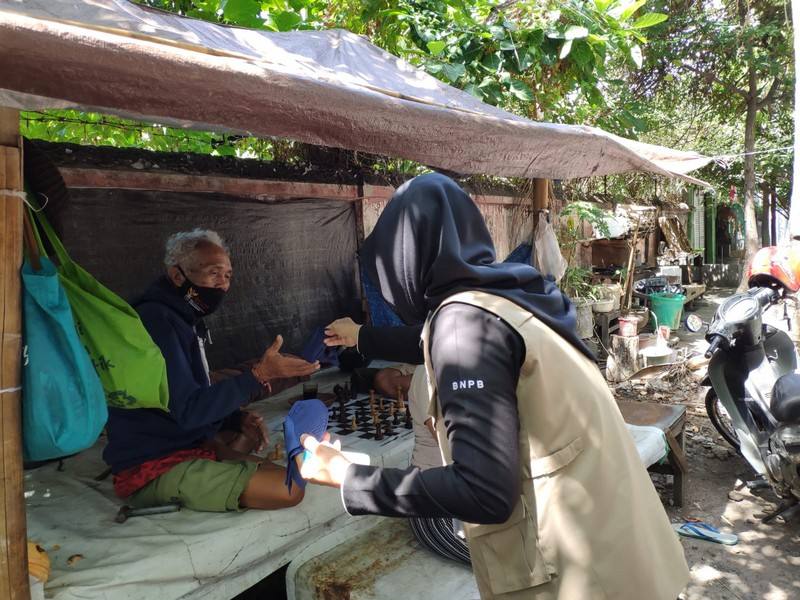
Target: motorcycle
{"points": [[754, 400]]}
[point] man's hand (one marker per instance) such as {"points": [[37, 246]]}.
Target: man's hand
{"points": [[252, 426], [326, 465], [274, 365], [342, 332]]}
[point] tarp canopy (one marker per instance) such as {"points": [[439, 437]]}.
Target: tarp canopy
{"points": [[330, 88]]}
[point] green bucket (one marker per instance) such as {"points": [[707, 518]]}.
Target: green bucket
{"points": [[666, 309]]}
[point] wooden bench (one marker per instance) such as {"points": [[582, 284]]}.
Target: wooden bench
{"points": [[671, 419]]}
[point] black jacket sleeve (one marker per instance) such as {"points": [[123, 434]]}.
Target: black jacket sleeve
{"points": [[476, 359], [192, 405], [401, 344]]}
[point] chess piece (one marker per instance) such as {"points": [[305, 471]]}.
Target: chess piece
{"points": [[394, 415], [354, 423], [378, 430], [278, 451], [387, 428], [401, 404], [399, 392], [381, 404], [407, 424], [372, 399]]}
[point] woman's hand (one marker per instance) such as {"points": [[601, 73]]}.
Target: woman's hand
{"points": [[342, 332], [326, 465]]}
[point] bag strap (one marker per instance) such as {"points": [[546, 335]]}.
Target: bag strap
{"points": [[58, 248], [31, 240]]}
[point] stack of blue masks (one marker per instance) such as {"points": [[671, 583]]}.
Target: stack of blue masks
{"points": [[305, 416]]}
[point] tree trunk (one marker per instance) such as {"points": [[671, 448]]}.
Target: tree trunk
{"points": [[794, 201], [750, 227], [765, 202], [773, 213]]}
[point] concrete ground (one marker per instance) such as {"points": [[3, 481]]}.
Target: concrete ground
{"points": [[765, 564]]}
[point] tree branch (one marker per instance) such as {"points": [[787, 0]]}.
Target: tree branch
{"points": [[770, 95], [706, 74]]}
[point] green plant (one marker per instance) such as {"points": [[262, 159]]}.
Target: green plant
{"points": [[577, 283]]}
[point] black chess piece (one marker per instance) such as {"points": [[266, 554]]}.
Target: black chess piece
{"points": [[395, 418], [387, 428], [378, 430], [407, 424]]}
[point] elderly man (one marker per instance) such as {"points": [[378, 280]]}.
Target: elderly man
{"points": [[198, 453]]}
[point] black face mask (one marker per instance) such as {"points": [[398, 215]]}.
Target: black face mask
{"points": [[204, 300]]}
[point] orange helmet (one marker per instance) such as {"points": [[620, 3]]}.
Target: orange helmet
{"points": [[775, 266]]}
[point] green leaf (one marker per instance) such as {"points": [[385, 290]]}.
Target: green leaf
{"points": [[454, 71], [286, 20], [649, 20], [602, 5], [242, 12], [565, 49], [582, 53], [473, 89], [521, 91], [497, 32], [436, 47], [636, 55], [575, 32], [632, 8], [491, 63], [507, 45]]}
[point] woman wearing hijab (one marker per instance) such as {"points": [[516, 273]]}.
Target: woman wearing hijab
{"points": [[537, 460]]}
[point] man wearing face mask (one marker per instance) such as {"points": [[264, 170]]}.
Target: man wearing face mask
{"points": [[198, 453]]}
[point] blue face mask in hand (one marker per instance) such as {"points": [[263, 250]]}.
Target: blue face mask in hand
{"points": [[305, 416]]}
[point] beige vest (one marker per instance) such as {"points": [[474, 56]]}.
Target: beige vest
{"points": [[589, 524]]}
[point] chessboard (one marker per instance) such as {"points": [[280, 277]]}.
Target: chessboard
{"points": [[367, 416]]}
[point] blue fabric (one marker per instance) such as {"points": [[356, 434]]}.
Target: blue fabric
{"points": [[197, 410], [316, 350], [63, 402], [305, 416], [520, 254], [381, 314]]}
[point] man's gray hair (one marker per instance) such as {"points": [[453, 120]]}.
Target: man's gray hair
{"points": [[180, 246]]}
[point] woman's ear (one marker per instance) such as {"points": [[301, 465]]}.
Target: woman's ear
{"points": [[175, 276]]}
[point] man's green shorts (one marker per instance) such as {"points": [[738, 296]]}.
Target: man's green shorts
{"points": [[199, 484]]}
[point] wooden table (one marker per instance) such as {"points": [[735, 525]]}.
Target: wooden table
{"points": [[671, 419]]}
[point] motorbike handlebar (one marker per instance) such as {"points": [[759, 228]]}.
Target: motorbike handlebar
{"points": [[714, 345]]}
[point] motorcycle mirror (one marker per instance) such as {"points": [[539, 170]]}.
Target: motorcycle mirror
{"points": [[694, 323]]}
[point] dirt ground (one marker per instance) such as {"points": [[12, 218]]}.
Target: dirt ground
{"points": [[765, 564]]}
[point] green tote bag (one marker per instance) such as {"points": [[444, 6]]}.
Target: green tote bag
{"points": [[128, 362]]}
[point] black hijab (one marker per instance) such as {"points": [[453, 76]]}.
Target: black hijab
{"points": [[431, 242]]}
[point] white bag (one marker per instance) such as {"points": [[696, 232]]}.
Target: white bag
{"points": [[546, 253]]}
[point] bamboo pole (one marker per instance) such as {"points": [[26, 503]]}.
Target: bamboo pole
{"points": [[539, 201], [13, 544]]}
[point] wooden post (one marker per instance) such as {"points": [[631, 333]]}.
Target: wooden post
{"points": [[541, 200], [13, 543]]}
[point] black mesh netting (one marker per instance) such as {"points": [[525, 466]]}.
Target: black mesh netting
{"points": [[294, 262]]}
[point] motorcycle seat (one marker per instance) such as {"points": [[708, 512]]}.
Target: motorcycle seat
{"points": [[785, 404]]}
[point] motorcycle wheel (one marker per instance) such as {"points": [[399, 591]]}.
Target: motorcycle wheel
{"points": [[720, 419]]}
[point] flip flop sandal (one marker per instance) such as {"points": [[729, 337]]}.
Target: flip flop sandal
{"points": [[704, 531], [305, 416]]}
